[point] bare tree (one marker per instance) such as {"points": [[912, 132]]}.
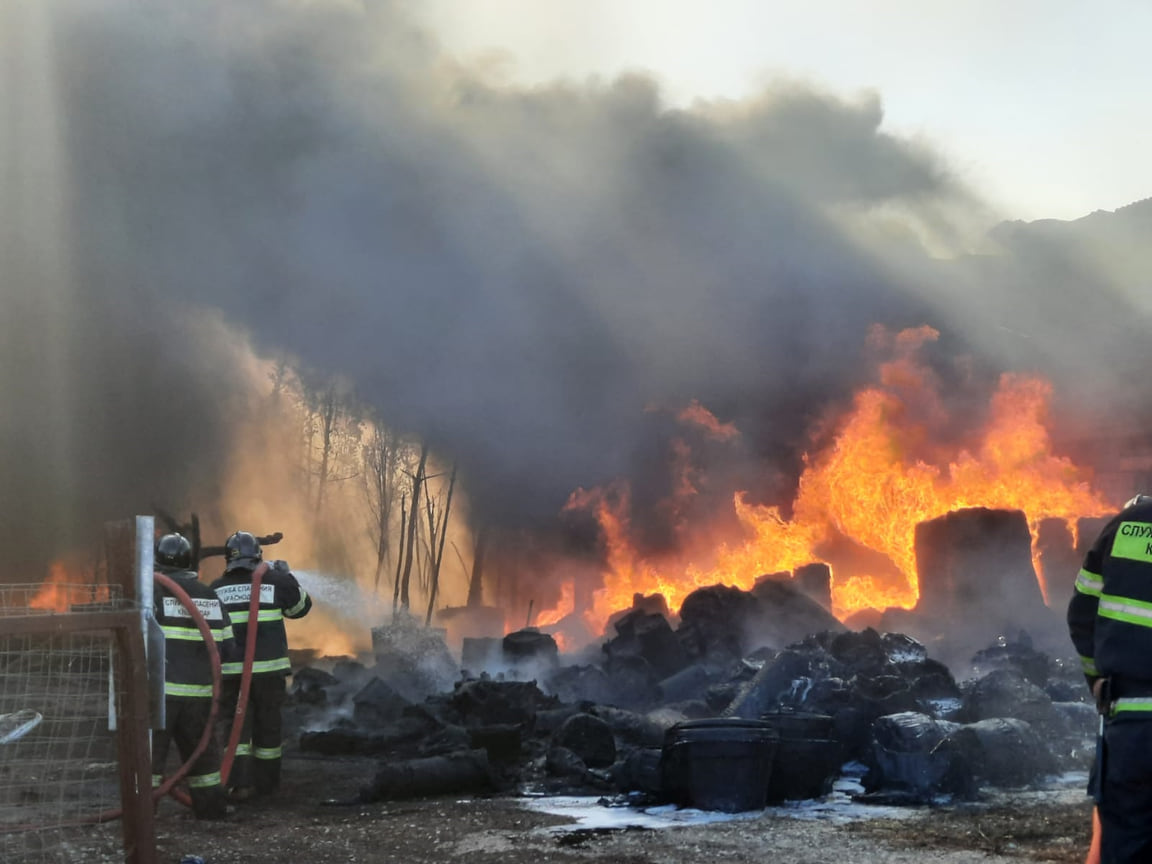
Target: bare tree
{"points": [[281, 376], [339, 431], [331, 432], [381, 456]]}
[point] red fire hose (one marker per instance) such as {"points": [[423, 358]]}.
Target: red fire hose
{"points": [[169, 783], [246, 674], [217, 682]]}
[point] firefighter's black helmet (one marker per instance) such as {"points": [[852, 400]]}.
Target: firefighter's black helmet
{"points": [[174, 550], [243, 550]]}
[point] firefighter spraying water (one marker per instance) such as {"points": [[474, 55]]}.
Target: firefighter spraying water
{"points": [[258, 597]]}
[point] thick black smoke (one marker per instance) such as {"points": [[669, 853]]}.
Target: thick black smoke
{"points": [[514, 273]]}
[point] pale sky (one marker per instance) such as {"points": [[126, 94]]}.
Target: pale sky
{"points": [[1043, 106]]}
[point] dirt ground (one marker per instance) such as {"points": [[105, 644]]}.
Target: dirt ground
{"points": [[300, 827]]}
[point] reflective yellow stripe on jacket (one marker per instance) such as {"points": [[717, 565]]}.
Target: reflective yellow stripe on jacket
{"points": [[198, 691], [258, 666], [1090, 583], [1138, 612], [189, 635], [299, 607]]}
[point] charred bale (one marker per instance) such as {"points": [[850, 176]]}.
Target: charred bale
{"points": [[1006, 693], [1059, 560], [448, 739], [1066, 681], [713, 622], [562, 762], [548, 720], [787, 615], [632, 681], [933, 687], [482, 653], [648, 635], [650, 604], [778, 682], [413, 659], [351, 672], [310, 685], [720, 696], [406, 731], [976, 575], [1004, 751], [689, 683], [581, 684], [453, 774], [638, 730], [1088, 528], [913, 754], [501, 741], [1017, 654], [530, 648], [377, 704], [815, 580], [640, 771], [1074, 746], [721, 624], [590, 738], [868, 652], [487, 703]]}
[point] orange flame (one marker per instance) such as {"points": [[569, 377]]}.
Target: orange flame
{"points": [[884, 472], [66, 586], [563, 607]]}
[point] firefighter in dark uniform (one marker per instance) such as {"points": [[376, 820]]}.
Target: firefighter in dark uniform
{"points": [[256, 769], [1110, 621], [188, 676]]}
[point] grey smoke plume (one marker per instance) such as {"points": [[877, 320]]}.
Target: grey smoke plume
{"points": [[514, 273], [112, 395]]}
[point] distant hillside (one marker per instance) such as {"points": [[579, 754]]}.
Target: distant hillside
{"points": [[1122, 235]]}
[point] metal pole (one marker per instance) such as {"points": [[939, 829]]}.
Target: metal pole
{"points": [[153, 636]]}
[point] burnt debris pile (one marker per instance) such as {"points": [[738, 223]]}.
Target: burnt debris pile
{"points": [[764, 678]]}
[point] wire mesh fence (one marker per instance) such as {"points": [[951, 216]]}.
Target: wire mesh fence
{"points": [[59, 768]]}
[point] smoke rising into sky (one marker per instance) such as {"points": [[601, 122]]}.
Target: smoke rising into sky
{"points": [[515, 273]]}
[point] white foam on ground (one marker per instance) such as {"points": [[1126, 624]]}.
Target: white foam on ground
{"points": [[837, 807], [589, 813]]}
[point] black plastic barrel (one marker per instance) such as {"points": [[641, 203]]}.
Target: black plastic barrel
{"points": [[722, 763], [807, 756]]}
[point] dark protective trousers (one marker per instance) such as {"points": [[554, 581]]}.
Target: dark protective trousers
{"points": [[1124, 790], [257, 763], [186, 718]]}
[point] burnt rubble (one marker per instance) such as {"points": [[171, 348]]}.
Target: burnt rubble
{"points": [[736, 677]]}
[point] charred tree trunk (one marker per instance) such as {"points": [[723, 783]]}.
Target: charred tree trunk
{"points": [[440, 551], [417, 482], [476, 582], [400, 557]]}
